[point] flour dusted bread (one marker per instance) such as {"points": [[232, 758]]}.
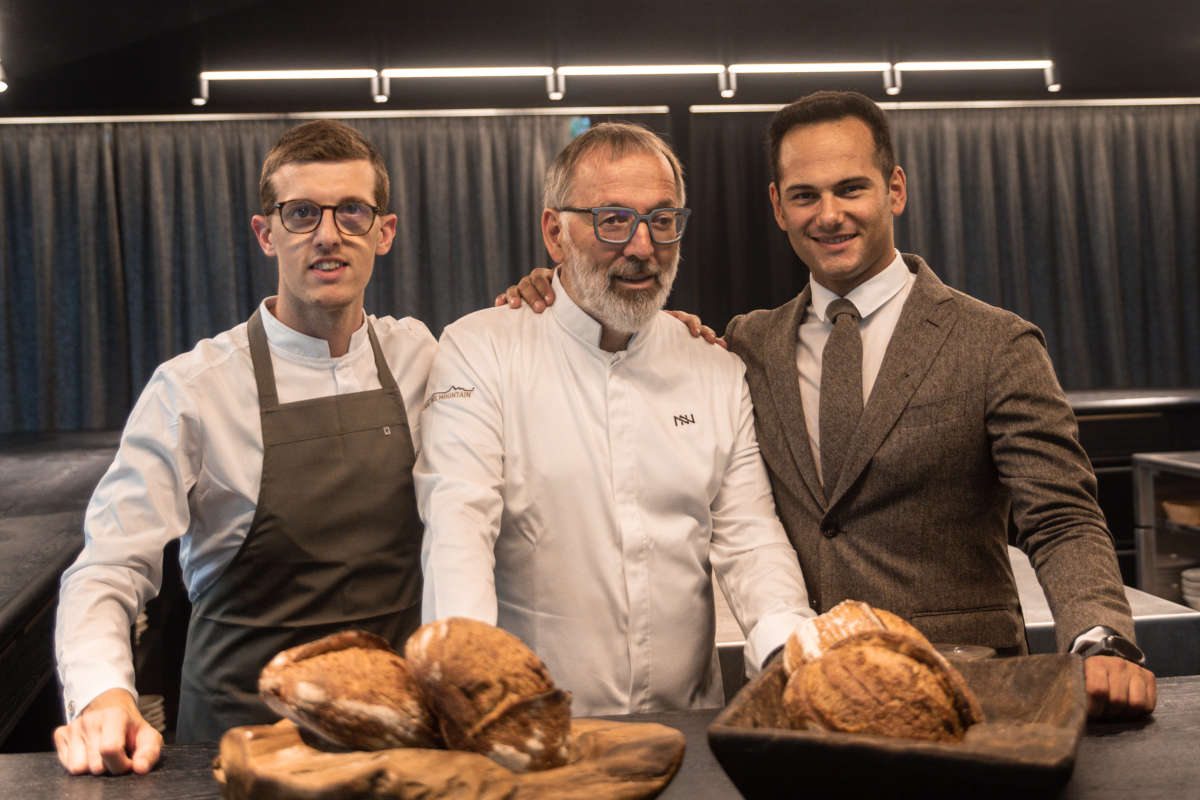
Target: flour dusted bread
{"points": [[491, 694], [351, 689], [884, 683], [813, 637]]}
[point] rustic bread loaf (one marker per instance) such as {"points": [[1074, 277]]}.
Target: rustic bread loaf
{"points": [[351, 689], [813, 637], [491, 694], [885, 683]]}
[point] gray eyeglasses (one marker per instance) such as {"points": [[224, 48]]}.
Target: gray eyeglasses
{"points": [[617, 224], [353, 217]]}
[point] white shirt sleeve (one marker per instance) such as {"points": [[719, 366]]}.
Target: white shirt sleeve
{"points": [[140, 504], [756, 565], [459, 479]]}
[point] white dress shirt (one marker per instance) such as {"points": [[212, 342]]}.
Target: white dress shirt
{"points": [[578, 498], [189, 465], [879, 302]]}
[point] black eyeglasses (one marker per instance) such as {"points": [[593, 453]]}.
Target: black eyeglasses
{"points": [[617, 224], [353, 218]]}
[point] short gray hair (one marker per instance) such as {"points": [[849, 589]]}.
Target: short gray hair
{"points": [[620, 139]]}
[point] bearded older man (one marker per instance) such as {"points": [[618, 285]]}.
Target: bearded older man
{"points": [[583, 471]]}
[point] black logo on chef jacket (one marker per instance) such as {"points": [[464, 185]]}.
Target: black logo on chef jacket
{"points": [[454, 392], [685, 419]]}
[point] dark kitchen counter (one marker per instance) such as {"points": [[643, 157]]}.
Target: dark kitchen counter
{"points": [[1149, 760]]}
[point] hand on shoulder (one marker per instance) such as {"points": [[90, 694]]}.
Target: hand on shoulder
{"points": [[109, 735]]}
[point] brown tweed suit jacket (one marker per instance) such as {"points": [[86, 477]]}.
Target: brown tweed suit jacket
{"points": [[965, 422]]}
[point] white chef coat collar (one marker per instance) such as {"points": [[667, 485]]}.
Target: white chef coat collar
{"points": [[579, 323], [867, 297], [295, 343]]}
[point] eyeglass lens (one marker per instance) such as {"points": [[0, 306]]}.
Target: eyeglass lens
{"points": [[302, 216], [616, 225]]}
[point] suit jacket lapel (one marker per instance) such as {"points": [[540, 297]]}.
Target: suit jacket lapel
{"points": [[780, 362], [924, 324]]}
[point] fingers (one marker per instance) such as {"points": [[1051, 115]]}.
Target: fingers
{"points": [[109, 744], [146, 745], [532, 294], [1118, 689], [72, 753]]}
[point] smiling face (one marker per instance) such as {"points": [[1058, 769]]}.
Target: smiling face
{"points": [[621, 286], [834, 203], [323, 273]]}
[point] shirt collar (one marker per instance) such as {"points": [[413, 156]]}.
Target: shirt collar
{"points": [[867, 297], [580, 324], [294, 342]]}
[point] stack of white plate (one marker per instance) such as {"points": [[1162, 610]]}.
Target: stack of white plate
{"points": [[1189, 585]]}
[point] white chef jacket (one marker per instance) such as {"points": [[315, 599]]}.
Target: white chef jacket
{"points": [[577, 498], [189, 465]]}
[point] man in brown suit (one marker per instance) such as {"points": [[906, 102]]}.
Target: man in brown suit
{"points": [[946, 417], [962, 420]]}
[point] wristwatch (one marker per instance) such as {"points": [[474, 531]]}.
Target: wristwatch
{"points": [[1114, 644]]}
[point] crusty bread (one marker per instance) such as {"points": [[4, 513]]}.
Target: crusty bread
{"points": [[491, 694], [351, 689], [814, 636], [885, 683]]}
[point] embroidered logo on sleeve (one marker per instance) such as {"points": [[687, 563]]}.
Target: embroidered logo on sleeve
{"points": [[685, 419], [454, 392]]}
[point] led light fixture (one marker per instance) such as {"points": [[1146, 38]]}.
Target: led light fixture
{"points": [[467, 72], [646, 69], [891, 80], [727, 83], [811, 67], [3, 79]]}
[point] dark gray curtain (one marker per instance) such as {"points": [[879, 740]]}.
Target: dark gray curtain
{"points": [[122, 244], [63, 324], [1082, 220]]}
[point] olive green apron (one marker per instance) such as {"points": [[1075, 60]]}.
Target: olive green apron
{"points": [[334, 544]]}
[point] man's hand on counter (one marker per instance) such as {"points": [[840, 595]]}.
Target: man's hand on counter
{"points": [[1118, 689], [109, 735]]}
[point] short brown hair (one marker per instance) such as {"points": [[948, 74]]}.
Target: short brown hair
{"points": [[620, 139], [828, 106], [322, 140]]}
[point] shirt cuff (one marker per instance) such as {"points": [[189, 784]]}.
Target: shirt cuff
{"points": [[770, 634], [1091, 636], [78, 693]]}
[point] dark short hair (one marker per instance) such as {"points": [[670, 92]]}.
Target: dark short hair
{"points": [[828, 106], [619, 139], [322, 140]]}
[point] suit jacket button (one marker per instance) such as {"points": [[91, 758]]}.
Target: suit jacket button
{"points": [[829, 532]]}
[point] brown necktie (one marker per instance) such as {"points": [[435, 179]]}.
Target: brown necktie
{"points": [[841, 389]]}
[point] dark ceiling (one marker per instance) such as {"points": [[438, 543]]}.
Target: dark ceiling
{"points": [[137, 56]]}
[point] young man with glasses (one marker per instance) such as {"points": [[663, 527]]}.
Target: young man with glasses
{"points": [[280, 452], [583, 471]]}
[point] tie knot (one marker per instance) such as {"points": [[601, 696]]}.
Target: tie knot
{"points": [[839, 307]]}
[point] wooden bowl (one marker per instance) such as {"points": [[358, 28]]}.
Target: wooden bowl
{"points": [[1034, 708]]}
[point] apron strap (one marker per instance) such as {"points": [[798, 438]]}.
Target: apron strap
{"points": [[260, 357], [264, 373], [386, 380]]}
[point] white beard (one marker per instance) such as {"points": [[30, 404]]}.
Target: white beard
{"points": [[624, 311]]}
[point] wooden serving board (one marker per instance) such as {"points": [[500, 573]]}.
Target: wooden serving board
{"points": [[620, 760]]}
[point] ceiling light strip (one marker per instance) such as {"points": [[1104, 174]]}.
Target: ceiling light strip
{"points": [[540, 111], [809, 68], [916, 105], [951, 66], [645, 69], [286, 74], [467, 72]]}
